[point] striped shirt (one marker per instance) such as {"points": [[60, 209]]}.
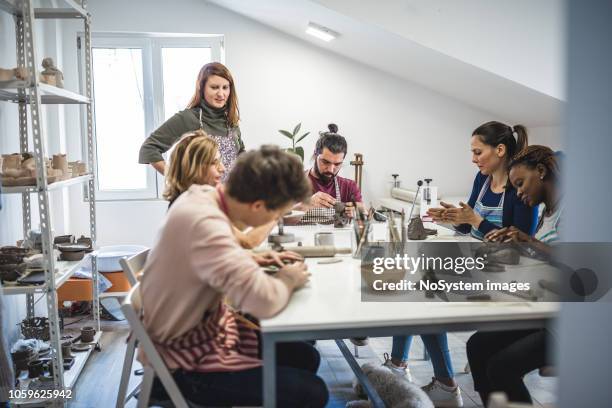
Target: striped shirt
{"points": [[548, 226]]}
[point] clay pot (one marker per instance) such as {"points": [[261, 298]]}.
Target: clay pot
{"points": [[11, 272], [72, 252], [11, 161], [66, 347], [35, 369], [63, 239], [72, 256], [87, 334], [21, 358], [6, 74], [6, 259], [61, 163], [78, 168]]}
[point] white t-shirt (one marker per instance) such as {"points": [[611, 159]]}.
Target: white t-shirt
{"points": [[548, 226]]}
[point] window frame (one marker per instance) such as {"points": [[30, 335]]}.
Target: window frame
{"points": [[153, 88]]}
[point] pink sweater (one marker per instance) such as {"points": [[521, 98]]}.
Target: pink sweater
{"points": [[196, 262]]}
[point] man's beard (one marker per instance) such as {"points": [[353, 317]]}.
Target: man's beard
{"points": [[325, 178]]}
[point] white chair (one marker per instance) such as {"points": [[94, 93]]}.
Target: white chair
{"points": [[132, 266], [131, 308]]}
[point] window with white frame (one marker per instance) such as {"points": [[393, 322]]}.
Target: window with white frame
{"points": [[139, 81]]}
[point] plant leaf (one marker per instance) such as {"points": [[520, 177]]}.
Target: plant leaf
{"points": [[286, 133], [297, 129], [300, 152], [303, 136]]}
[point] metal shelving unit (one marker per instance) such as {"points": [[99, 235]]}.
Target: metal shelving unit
{"points": [[31, 94], [63, 271], [11, 91], [50, 187]]}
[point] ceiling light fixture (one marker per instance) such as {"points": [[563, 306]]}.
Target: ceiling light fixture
{"points": [[322, 33]]}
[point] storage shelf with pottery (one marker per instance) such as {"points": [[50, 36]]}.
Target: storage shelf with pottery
{"points": [[70, 376], [63, 271], [49, 94], [50, 187], [28, 91]]}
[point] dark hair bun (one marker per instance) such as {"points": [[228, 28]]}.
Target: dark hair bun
{"points": [[333, 128]]}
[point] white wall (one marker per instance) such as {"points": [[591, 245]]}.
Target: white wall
{"points": [[398, 126], [522, 40]]}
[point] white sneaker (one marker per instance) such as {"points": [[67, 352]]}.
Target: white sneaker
{"points": [[402, 372], [442, 395]]}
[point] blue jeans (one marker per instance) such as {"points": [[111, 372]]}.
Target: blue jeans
{"points": [[437, 347]]}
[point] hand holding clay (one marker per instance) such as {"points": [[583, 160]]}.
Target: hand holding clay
{"points": [[295, 275], [268, 258], [507, 234], [349, 210], [439, 214], [321, 199], [462, 215]]}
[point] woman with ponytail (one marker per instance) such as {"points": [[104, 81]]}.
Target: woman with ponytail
{"points": [[499, 360], [493, 204]]}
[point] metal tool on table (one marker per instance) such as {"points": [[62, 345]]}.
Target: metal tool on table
{"points": [[281, 237], [419, 184], [429, 199]]}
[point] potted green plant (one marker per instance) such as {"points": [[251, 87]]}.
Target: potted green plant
{"points": [[295, 139]]}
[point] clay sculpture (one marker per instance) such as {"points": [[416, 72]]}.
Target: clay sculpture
{"points": [[20, 169], [51, 75], [416, 229], [340, 219]]}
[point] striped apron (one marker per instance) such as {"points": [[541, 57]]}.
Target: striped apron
{"points": [[321, 215], [492, 214], [220, 342]]}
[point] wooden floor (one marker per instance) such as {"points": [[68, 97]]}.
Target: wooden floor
{"points": [[99, 383]]}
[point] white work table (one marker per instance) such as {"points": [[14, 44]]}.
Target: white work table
{"points": [[330, 307]]}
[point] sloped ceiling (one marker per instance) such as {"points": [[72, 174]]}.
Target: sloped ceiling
{"points": [[382, 48]]}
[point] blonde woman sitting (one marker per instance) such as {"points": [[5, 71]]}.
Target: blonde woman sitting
{"points": [[196, 159]]}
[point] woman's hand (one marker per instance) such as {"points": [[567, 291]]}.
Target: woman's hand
{"points": [[268, 258], [464, 214], [439, 214], [295, 275], [507, 234]]}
